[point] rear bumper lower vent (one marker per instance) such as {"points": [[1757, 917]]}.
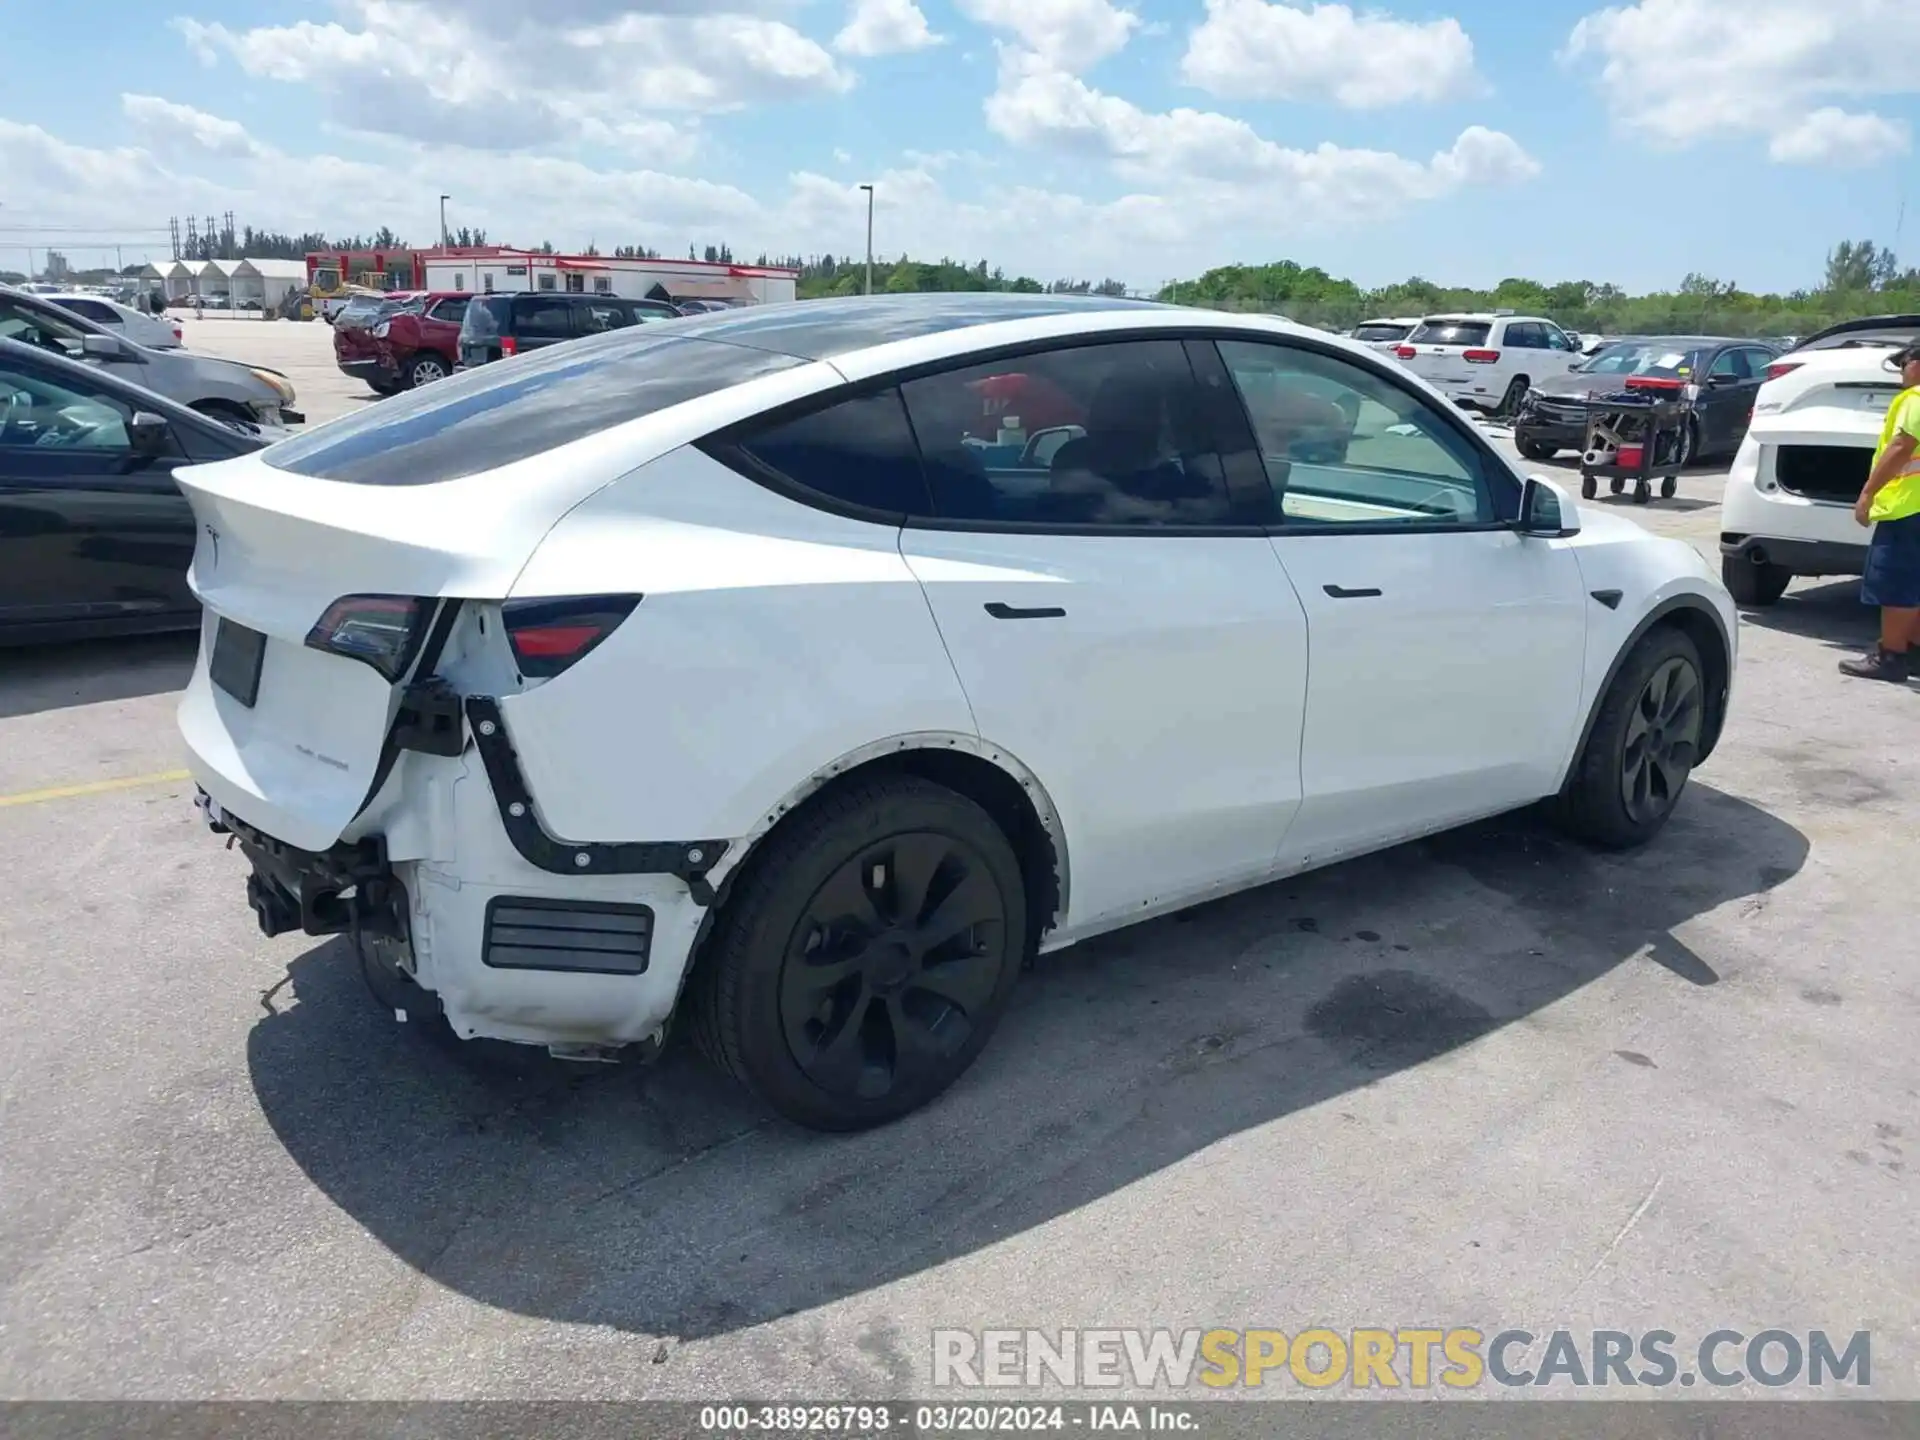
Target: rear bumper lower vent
{"points": [[527, 933]]}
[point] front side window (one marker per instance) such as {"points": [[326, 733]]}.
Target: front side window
{"points": [[44, 414], [451, 311], [599, 315], [1730, 364], [1344, 446], [1104, 435]]}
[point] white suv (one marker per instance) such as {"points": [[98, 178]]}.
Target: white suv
{"points": [[1487, 361], [822, 661], [1788, 508]]}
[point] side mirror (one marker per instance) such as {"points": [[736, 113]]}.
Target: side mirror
{"points": [[1547, 511], [148, 433], [101, 347], [1720, 382]]}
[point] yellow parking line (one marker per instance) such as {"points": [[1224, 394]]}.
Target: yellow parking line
{"points": [[92, 787]]}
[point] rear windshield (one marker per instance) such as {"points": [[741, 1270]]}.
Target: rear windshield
{"points": [[1655, 359], [1380, 332], [1451, 332], [485, 316], [497, 414]]}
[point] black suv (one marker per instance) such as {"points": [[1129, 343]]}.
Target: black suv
{"points": [[497, 326]]}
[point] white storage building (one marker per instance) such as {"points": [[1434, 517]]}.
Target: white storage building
{"points": [[267, 282], [529, 270]]}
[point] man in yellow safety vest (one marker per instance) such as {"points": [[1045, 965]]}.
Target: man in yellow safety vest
{"points": [[1891, 504]]}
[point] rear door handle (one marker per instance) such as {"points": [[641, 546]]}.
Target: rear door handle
{"points": [[1016, 612], [1340, 592]]}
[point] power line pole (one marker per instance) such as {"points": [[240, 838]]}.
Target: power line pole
{"points": [[869, 190]]}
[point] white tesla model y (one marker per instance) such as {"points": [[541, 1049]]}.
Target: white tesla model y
{"points": [[808, 667]]}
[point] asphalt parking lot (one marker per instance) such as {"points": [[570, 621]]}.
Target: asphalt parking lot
{"points": [[1491, 1079]]}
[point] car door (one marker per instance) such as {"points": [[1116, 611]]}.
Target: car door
{"points": [[89, 530], [1446, 650], [1563, 352], [1726, 398], [1120, 628], [541, 320]]}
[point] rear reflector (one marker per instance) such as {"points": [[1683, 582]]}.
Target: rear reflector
{"points": [[547, 636], [1405, 352], [1481, 357], [379, 630], [1783, 367]]}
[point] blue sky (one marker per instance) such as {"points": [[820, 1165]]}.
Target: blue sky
{"points": [[1462, 140]]}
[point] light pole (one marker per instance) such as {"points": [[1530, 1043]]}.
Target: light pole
{"points": [[443, 221], [869, 190]]}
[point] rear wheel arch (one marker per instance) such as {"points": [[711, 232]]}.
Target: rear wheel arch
{"points": [[1695, 617], [991, 777]]}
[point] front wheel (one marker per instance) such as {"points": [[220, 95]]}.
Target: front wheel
{"points": [[1641, 750], [867, 955], [1535, 449], [1510, 402], [1751, 584]]}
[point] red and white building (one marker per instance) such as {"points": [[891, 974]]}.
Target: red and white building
{"points": [[497, 268]]}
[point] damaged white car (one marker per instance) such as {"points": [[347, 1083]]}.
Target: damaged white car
{"points": [[807, 668]]}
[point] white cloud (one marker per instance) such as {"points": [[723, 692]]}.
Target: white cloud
{"points": [[175, 128], [1678, 71], [1251, 49], [1831, 136], [498, 77], [1037, 104], [884, 27], [842, 157], [1071, 34]]}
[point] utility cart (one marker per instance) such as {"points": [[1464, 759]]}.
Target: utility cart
{"points": [[1633, 436]]}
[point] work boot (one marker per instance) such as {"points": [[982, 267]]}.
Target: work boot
{"points": [[1882, 664]]}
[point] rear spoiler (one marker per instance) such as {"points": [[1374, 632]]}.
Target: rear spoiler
{"points": [[1864, 323]]}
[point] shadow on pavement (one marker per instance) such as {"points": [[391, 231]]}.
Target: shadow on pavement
{"points": [[665, 1202], [56, 677], [1828, 611]]}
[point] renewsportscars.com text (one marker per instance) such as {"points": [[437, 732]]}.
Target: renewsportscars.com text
{"points": [[1416, 1358]]}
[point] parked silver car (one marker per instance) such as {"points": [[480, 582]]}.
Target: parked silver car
{"points": [[224, 389]]}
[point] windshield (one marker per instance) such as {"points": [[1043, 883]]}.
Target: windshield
{"points": [[1380, 332], [1451, 332], [1651, 359]]}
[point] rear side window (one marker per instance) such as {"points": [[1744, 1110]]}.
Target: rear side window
{"points": [[539, 319], [859, 452], [497, 414], [1450, 332], [92, 310]]}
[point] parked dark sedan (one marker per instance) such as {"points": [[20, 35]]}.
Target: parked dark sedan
{"points": [[1717, 378], [94, 537]]}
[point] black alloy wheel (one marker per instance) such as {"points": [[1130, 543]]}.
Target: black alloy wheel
{"points": [[1663, 740], [895, 961]]}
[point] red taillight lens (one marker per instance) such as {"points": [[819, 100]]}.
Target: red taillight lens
{"points": [[1405, 352], [379, 630], [1481, 357], [1783, 367], [1654, 382], [509, 345], [548, 636]]}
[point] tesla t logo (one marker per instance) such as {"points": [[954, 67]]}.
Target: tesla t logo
{"points": [[213, 541]]}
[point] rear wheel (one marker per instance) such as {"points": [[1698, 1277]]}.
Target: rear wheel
{"points": [[1516, 392], [424, 369], [1642, 747], [867, 955], [1752, 584]]}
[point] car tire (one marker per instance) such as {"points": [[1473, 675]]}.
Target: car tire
{"points": [[1510, 402], [829, 1050], [1639, 753], [426, 368], [1535, 449], [385, 387], [1753, 585]]}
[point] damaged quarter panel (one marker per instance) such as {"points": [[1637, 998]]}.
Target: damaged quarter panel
{"points": [[773, 640]]}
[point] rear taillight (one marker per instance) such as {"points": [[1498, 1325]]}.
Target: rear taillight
{"points": [[1481, 357], [509, 345], [178, 334], [1783, 367], [1405, 352], [548, 636], [380, 630]]}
